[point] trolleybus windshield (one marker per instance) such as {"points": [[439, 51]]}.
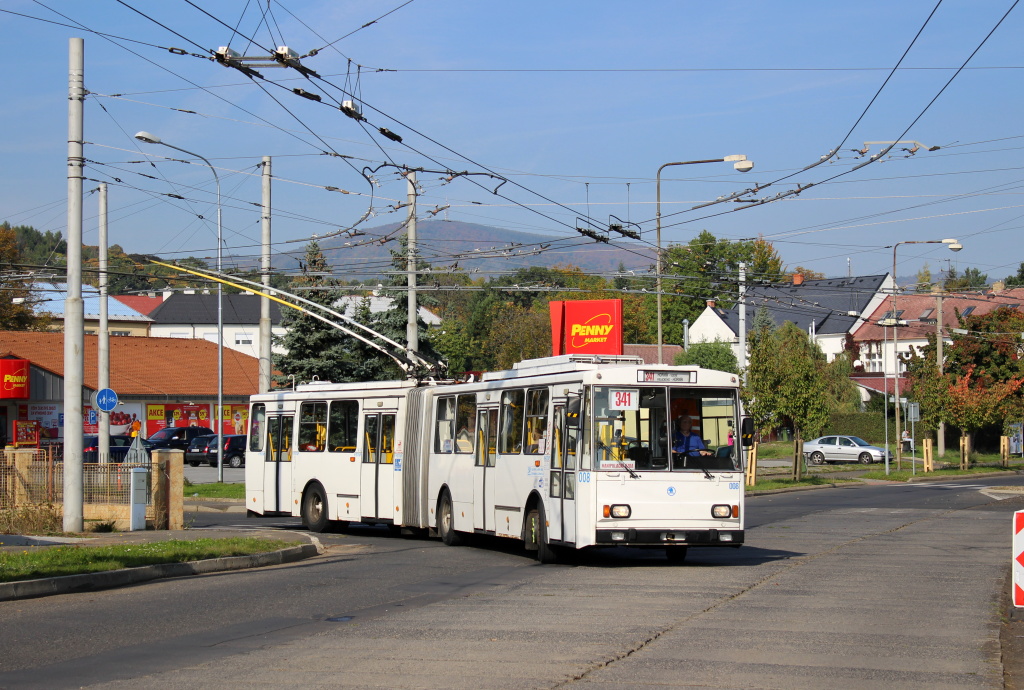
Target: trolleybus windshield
{"points": [[644, 428]]}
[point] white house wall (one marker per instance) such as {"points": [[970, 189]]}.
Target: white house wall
{"points": [[709, 327]]}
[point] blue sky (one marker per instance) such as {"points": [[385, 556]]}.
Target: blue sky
{"points": [[577, 104]]}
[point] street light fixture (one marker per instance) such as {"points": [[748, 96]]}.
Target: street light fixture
{"points": [[153, 139], [954, 246], [740, 163]]}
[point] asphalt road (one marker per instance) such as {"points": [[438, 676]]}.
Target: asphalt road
{"points": [[861, 586]]}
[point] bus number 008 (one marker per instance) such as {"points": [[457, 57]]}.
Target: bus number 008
{"points": [[583, 477]]}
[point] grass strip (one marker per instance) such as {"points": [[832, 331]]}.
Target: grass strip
{"points": [[769, 484], [904, 475], [50, 561], [215, 490]]}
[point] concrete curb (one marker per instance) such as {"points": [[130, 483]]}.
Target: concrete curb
{"points": [[787, 489], [194, 505], [957, 477], [27, 589]]}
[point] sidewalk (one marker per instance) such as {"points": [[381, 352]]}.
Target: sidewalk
{"points": [[303, 546]]}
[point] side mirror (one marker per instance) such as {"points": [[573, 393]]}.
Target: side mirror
{"points": [[746, 432], [572, 412]]}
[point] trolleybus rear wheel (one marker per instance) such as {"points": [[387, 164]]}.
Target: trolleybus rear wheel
{"points": [[446, 521]]}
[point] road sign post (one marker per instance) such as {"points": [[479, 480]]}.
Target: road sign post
{"points": [[1018, 559]]}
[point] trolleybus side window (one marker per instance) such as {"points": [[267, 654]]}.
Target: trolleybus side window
{"points": [[487, 438], [343, 426], [258, 421], [371, 422], [512, 417], [444, 430], [583, 420], [387, 439], [465, 423], [536, 421], [312, 427]]}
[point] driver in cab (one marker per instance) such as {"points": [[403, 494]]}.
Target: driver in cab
{"points": [[685, 442]]}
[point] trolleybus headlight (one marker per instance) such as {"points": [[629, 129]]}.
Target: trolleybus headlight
{"points": [[725, 536], [721, 511], [617, 511]]}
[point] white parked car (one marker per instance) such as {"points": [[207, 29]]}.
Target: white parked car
{"points": [[846, 449]]}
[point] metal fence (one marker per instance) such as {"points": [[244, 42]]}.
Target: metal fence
{"points": [[33, 477]]}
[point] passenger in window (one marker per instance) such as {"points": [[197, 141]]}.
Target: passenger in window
{"points": [[685, 442]]}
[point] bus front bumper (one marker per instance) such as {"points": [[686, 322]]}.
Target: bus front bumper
{"points": [[651, 537]]}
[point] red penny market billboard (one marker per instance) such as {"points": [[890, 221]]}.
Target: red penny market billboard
{"points": [[588, 326], [14, 379]]}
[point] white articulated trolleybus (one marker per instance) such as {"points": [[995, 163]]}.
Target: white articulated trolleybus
{"points": [[563, 453]]}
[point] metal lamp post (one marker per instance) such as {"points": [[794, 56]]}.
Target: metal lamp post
{"points": [[953, 246], [739, 162], [153, 139]]}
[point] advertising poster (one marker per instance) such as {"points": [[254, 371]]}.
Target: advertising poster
{"points": [[121, 419], [236, 419], [174, 415], [48, 415]]}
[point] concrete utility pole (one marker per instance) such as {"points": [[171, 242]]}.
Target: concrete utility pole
{"points": [[743, 323], [411, 329], [103, 339], [74, 320], [265, 325], [940, 433]]}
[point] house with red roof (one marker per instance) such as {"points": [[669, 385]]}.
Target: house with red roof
{"points": [[160, 381]]}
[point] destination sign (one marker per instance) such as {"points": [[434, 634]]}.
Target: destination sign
{"points": [[644, 376]]}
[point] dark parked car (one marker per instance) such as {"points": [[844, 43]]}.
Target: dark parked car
{"points": [[176, 437], [203, 450], [199, 449], [234, 450], [119, 445]]}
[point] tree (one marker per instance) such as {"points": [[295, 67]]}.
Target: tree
{"points": [[315, 349], [924, 279], [518, 334], [1018, 279], [809, 274], [707, 268], [714, 355], [982, 373], [971, 278], [970, 405], [786, 381], [17, 301]]}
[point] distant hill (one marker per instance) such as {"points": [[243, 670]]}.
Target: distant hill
{"points": [[476, 248]]}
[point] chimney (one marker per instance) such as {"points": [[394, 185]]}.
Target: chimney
{"points": [[711, 303], [798, 279], [998, 286]]}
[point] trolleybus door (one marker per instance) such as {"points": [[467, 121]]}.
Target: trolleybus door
{"points": [[483, 471], [277, 468], [562, 484], [377, 495]]}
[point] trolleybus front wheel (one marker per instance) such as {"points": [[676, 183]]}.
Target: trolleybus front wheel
{"points": [[537, 536], [314, 509]]}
